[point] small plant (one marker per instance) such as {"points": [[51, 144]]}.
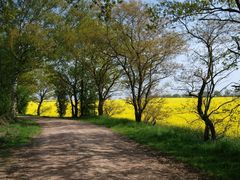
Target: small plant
{"points": [[112, 107], [17, 133], [155, 111]]}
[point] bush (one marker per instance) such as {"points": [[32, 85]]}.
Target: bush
{"points": [[155, 111], [5, 101], [17, 133], [112, 107], [23, 98]]}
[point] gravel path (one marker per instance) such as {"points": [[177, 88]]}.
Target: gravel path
{"points": [[68, 149]]}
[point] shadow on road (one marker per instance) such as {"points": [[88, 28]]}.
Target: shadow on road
{"points": [[69, 149]]}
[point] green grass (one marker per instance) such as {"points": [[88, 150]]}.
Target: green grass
{"points": [[220, 159], [17, 134]]}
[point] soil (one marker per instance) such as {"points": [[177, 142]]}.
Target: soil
{"points": [[69, 149]]}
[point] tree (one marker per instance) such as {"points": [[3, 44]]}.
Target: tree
{"points": [[100, 65], [237, 88], [62, 101], [104, 8], [70, 61], [217, 93], [42, 87], [225, 11], [23, 97], [105, 75], [211, 65], [5, 87], [23, 42], [222, 11], [60, 91], [69, 73], [142, 50]]}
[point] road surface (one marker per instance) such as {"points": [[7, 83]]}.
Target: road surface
{"points": [[68, 149]]}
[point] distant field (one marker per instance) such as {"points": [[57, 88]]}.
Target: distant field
{"points": [[180, 112]]}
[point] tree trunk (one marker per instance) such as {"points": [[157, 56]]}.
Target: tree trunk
{"points": [[209, 130], [75, 104], [81, 99], [138, 116], [209, 127], [13, 111], [39, 107], [76, 108], [206, 133], [100, 107], [72, 106], [212, 130]]}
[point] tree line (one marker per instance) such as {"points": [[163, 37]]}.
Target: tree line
{"points": [[81, 52]]}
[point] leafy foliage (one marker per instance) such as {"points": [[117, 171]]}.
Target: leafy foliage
{"points": [[17, 134], [112, 108], [23, 97]]}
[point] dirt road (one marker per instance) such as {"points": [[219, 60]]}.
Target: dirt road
{"points": [[68, 149]]}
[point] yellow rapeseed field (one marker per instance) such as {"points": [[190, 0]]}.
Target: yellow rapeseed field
{"points": [[180, 112]]}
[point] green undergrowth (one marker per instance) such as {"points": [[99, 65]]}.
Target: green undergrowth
{"points": [[16, 134], [220, 159]]}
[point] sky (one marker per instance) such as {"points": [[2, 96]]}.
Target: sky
{"points": [[150, 1]]}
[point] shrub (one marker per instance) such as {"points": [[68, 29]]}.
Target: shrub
{"points": [[112, 107], [155, 111]]}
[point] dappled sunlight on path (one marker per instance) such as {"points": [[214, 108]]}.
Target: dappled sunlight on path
{"points": [[69, 149]]}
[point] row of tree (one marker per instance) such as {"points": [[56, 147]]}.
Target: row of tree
{"points": [[226, 93], [82, 51]]}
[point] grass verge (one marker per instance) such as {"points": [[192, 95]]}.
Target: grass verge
{"points": [[220, 159], [17, 134]]}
